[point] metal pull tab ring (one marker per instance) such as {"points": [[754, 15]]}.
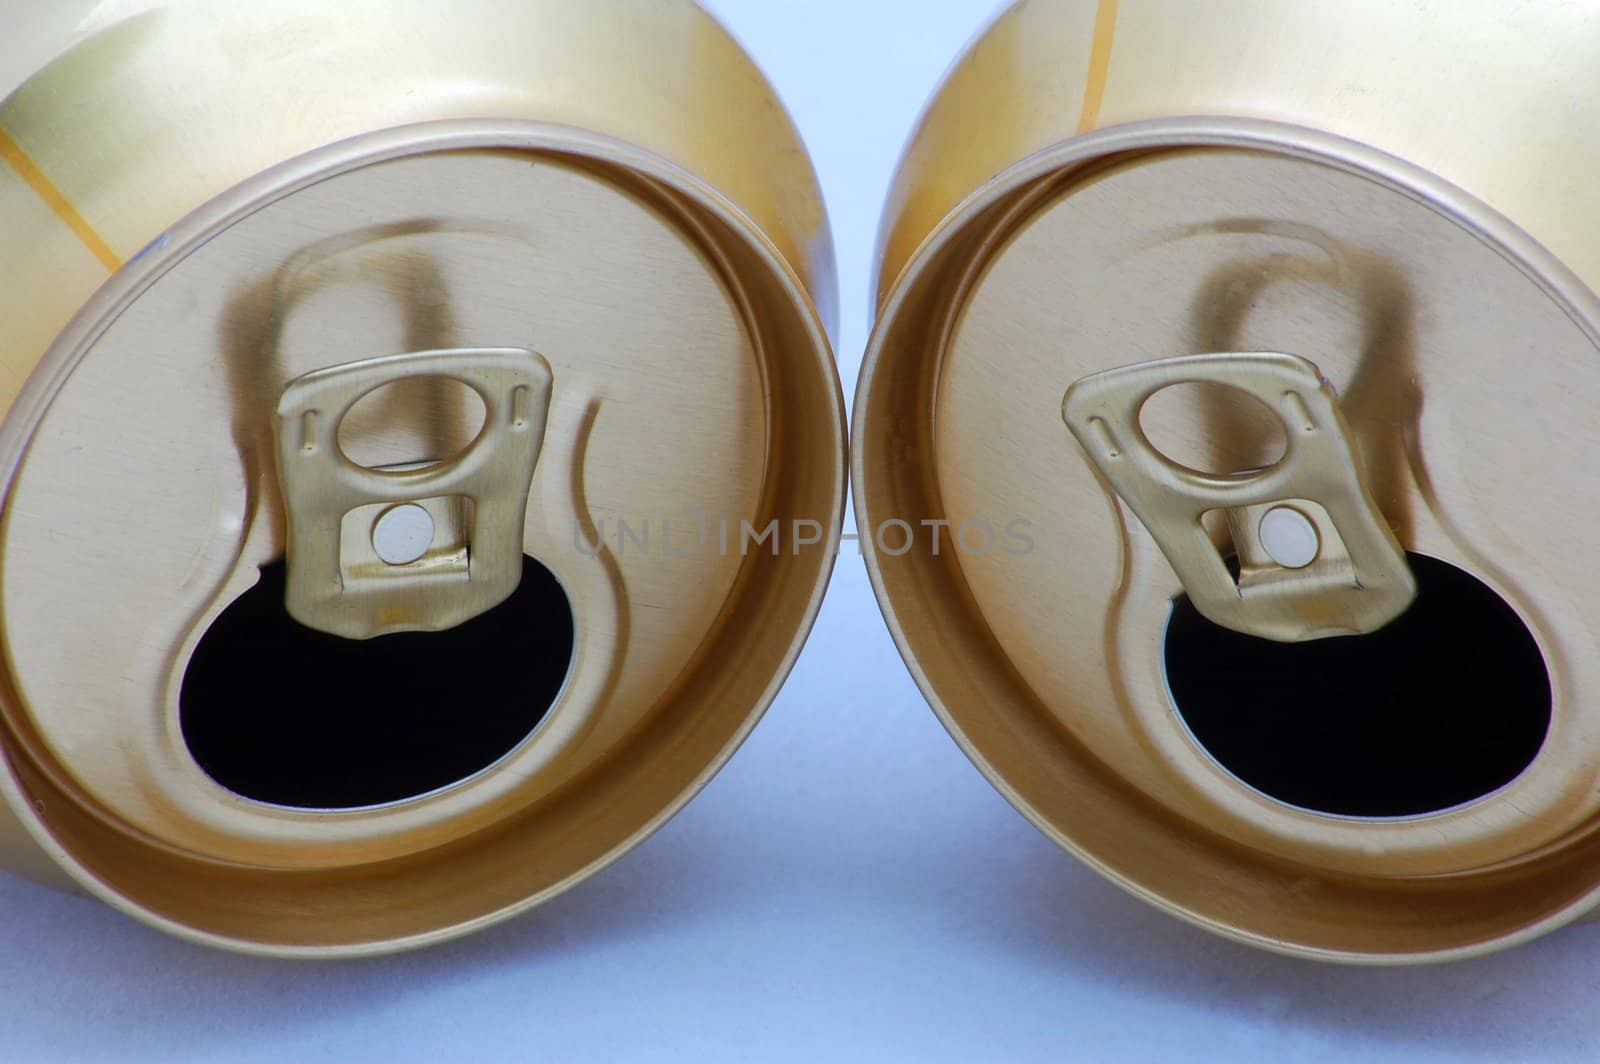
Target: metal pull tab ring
{"points": [[373, 552], [1316, 557]]}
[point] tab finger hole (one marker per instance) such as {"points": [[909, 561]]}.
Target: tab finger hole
{"points": [[1213, 429], [415, 423]]}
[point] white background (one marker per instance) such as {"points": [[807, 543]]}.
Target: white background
{"points": [[848, 889]]}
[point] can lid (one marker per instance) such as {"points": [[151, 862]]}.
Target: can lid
{"points": [[1141, 624], [418, 523]]}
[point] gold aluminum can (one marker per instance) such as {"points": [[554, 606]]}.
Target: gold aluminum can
{"points": [[423, 457], [1252, 345]]}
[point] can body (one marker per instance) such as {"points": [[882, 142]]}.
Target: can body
{"points": [[565, 242], [1107, 194]]}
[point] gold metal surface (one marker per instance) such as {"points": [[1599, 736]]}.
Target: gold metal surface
{"points": [[1263, 177], [298, 189], [1358, 581], [338, 583]]}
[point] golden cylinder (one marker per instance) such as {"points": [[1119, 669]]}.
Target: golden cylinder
{"points": [[203, 202], [1398, 193]]}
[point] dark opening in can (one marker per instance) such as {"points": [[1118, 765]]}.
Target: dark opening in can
{"points": [[1445, 705], [366, 723]]}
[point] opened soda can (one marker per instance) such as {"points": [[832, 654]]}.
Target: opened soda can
{"points": [[1234, 370], [423, 455]]}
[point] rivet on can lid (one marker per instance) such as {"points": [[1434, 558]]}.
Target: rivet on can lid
{"points": [[403, 534], [1289, 538]]}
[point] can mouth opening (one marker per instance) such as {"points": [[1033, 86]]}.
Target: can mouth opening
{"points": [[284, 715], [1444, 707]]}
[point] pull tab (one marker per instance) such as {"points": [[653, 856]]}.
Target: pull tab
{"points": [[1316, 558], [374, 552]]}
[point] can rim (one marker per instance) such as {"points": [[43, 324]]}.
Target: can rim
{"points": [[51, 372], [1062, 162]]}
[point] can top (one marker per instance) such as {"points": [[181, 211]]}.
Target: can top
{"points": [[385, 527], [1264, 283]]}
